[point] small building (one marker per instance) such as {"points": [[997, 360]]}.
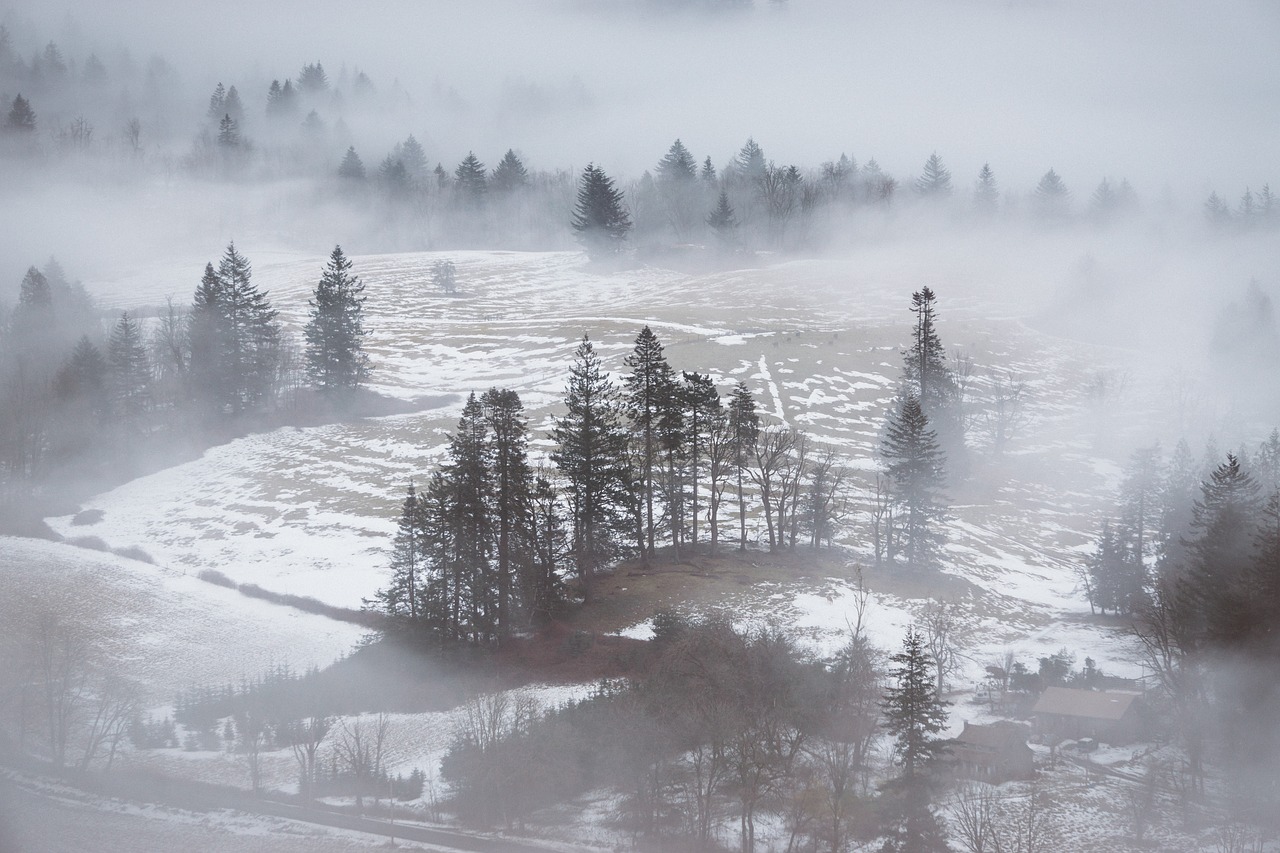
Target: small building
{"points": [[993, 753], [1069, 713]]}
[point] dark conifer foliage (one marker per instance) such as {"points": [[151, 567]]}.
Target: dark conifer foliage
{"points": [[510, 174], [469, 179], [129, 372], [599, 218], [935, 179], [914, 716], [21, 118], [744, 429], [336, 361], [352, 167], [591, 456], [651, 395], [915, 465]]}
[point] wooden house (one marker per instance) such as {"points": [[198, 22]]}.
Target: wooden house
{"points": [[1069, 713]]}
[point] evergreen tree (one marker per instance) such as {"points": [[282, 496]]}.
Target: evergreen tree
{"points": [[1104, 202], [82, 380], [516, 586], [935, 180], [915, 465], [206, 332], [312, 80], [927, 376], [724, 223], [469, 473], [590, 453], [228, 132], [750, 163], [415, 160], [21, 118], [744, 427], [1216, 593], [336, 361], [399, 599], [510, 175], [708, 171], [677, 166], [914, 716], [234, 107], [1216, 210], [217, 104], [1052, 199], [704, 412], [469, 179], [351, 168], [129, 371], [249, 336], [599, 218], [650, 395], [394, 177]]}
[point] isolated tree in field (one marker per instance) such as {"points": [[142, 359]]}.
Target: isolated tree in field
{"points": [[935, 179], [510, 174], [914, 716], [915, 466], [444, 275], [986, 193], [650, 394], [929, 378], [599, 218], [336, 361], [744, 428], [590, 453], [352, 167]]}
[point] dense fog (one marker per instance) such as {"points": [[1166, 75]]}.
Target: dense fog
{"points": [[1065, 479]]}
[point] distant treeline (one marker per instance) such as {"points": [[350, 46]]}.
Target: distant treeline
{"points": [[60, 109]]}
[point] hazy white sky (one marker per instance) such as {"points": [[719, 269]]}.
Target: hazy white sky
{"points": [[1172, 91]]}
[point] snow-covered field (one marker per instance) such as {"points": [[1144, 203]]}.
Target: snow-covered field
{"points": [[310, 511]]}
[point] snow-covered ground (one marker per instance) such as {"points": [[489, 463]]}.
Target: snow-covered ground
{"points": [[310, 511]]}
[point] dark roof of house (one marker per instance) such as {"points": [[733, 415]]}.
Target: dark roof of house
{"points": [[1094, 704], [999, 735]]}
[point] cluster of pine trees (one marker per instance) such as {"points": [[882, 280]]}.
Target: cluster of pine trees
{"points": [[75, 395], [1192, 557], [484, 548]]}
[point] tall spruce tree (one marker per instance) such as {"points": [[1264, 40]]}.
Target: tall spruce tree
{"points": [[651, 393], [336, 361], [930, 380], [590, 453], [986, 193], [510, 174], [128, 371], [744, 428], [1216, 593], [914, 716], [470, 181], [703, 411], [512, 485], [915, 465], [935, 179], [599, 218]]}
